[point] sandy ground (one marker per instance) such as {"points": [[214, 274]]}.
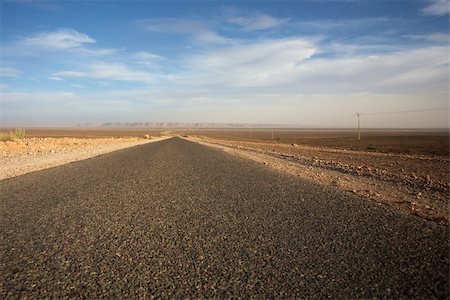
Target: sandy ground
{"points": [[417, 184], [33, 154]]}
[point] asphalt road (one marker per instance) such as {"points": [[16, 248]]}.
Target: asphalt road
{"points": [[175, 219]]}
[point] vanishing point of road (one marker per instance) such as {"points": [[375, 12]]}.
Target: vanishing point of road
{"points": [[175, 219]]}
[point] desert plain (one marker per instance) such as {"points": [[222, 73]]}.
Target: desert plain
{"points": [[405, 169]]}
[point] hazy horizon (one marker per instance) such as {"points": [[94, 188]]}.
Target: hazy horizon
{"points": [[306, 63]]}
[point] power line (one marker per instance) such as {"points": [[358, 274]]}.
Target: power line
{"points": [[405, 111]]}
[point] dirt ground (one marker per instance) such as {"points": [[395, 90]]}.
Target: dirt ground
{"points": [[428, 142], [87, 133], [30, 154], [415, 181]]}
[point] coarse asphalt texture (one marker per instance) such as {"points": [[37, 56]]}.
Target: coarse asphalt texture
{"points": [[175, 219]]}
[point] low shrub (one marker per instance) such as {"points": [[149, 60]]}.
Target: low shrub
{"points": [[371, 147], [5, 136], [17, 134]]}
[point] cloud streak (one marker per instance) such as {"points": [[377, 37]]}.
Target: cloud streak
{"points": [[196, 29], [109, 71], [253, 21], [263, 63], [8, 72], [437, 8], [61, 39]]}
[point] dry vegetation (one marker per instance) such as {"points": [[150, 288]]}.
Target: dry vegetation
{"points": [[12, 135]]}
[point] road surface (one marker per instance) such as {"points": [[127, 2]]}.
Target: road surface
{"points": [[176, 219]]}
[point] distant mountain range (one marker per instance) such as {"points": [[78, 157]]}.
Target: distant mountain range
{"points": [[170, 125]]}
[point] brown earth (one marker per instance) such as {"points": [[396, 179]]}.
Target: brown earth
{"points": [[428, 142]]}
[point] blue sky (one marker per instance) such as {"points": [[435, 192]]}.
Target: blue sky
{"points": [[312, 63]]}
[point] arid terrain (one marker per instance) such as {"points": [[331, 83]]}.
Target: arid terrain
{"points": [[404, 169], [42, 149]]}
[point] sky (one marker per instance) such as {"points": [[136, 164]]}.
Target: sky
{"points": [[309, 63]]}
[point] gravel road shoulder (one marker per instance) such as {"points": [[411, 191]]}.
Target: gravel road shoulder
{"points": [[34, 154]]}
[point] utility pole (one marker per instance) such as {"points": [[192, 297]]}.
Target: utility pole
{"points": [[359, 127]]}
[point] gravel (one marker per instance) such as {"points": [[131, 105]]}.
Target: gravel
{"points": [[38, 154]]}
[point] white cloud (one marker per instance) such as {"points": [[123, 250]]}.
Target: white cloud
{"points": [[78, 86], [264, 63], [3, 86], [8, 72], [60, 39], [256, 107], [69, 74], [110, 71], [64, 39], [256, 21], [433, 37], [146, 58], [55, 78], [322, 25], [437, 8], [417, 69], [196, 29], [290, 65]]}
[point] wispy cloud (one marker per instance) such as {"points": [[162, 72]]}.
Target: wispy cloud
{"points": [[329, 24], [55, 78], [3, 86], [60, 39], [63, 39], [432, 37], [109, 71], [419, 68], [292, 65], [437, 8], [146, 58], [8, 72], [252, 21], [198, 30], [78, 86], [262, 63]]}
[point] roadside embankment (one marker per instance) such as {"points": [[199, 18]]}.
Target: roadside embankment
{"points": [[32, 154]]}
